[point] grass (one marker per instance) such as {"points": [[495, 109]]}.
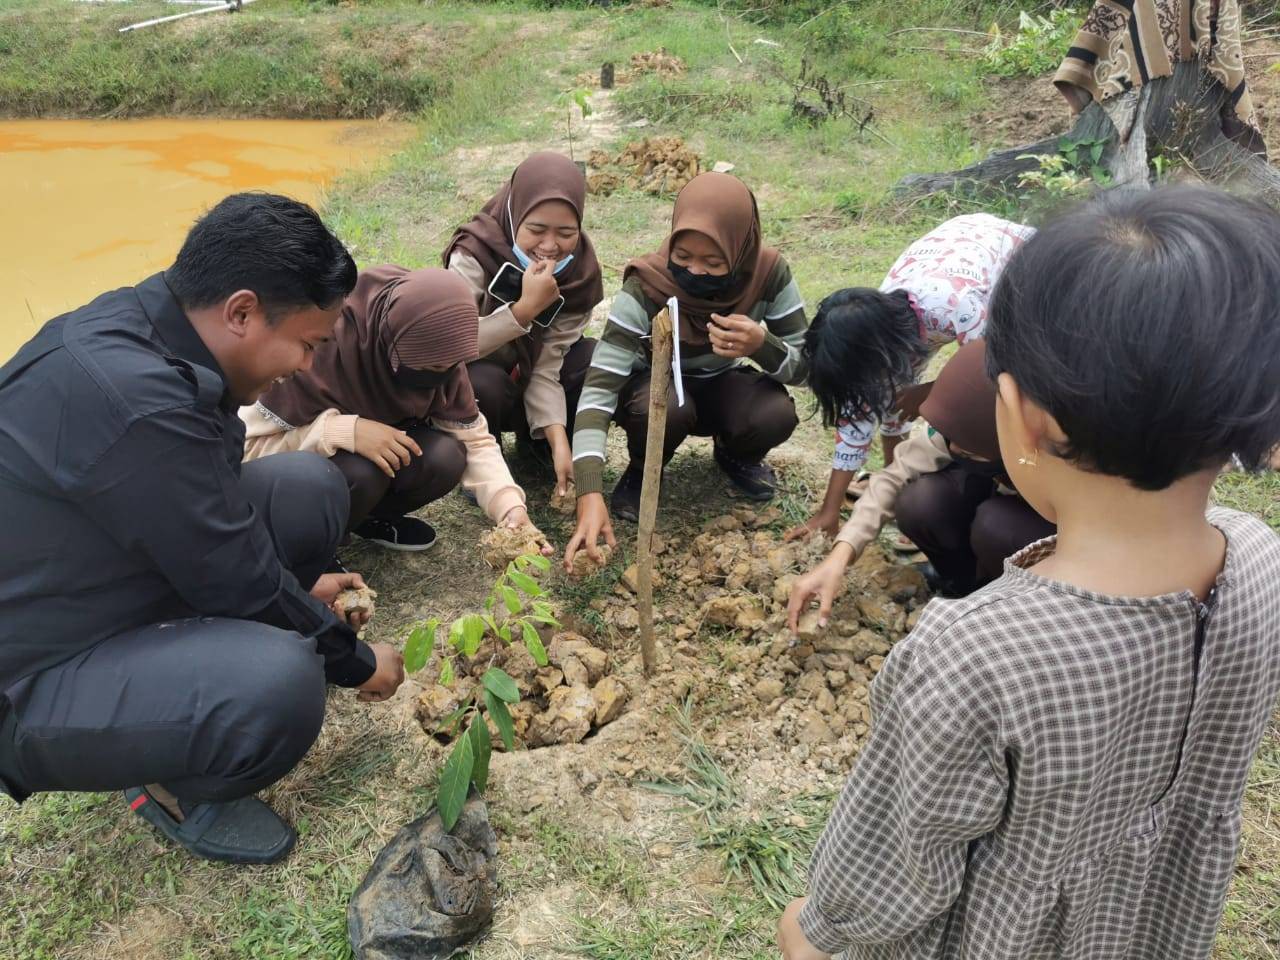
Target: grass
{"points": [[80, 878]]}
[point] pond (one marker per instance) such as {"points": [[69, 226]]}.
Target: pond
{"points": [[90, 205]]}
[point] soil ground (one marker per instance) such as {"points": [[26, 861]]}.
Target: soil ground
{"points": [[678, 829]]}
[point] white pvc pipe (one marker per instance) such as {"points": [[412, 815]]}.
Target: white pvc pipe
{"points": [[190, 13]]}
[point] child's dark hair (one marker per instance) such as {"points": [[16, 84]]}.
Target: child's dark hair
{"points": [[863, 347], [1148, 325], [273, 245]]}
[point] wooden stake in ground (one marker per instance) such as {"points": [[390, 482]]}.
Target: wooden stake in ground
{"points": [[659, 380]]}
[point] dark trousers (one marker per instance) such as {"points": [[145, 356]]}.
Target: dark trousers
{"points": [[747, 412], [426, 478], [501, 399], [964, 527], [212, 708]]}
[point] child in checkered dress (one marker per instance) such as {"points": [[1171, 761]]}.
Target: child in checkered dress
{"points": [[1058, 760]]}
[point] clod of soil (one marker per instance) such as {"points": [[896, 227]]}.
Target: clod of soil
{"points": [[583, 565], [647, 62], [357, 600], [657, 165], [559, 703], [500, 545], [429, 892], [567, 505]]}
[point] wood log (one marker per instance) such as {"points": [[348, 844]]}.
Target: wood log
{"points": [[1179, 116], [651, 485]]}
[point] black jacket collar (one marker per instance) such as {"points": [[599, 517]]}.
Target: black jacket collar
{"points": [[175, 329]]}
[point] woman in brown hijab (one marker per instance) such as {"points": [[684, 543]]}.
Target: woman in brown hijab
{"points": [[948, 489], [533, 356], [737, 302], [389, 400]]}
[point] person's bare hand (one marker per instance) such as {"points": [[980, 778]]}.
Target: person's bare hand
{"points": [[388, 674], [791, 939], [538, 290], [388, 448], [823, 582], [819, 523], [593, 521], [736, 335], [561, 457], [328, 587], [518, 517]]}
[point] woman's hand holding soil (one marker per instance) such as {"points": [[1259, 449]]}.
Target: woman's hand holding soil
{"points": [[736, 335], [823, 582], [385, 446], [538, 290], [593, 521], [518, 517]]}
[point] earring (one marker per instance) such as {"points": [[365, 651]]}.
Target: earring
{"points": [[1030, 461]]}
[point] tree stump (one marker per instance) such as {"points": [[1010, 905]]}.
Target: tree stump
{"points": [[1179, 117]]}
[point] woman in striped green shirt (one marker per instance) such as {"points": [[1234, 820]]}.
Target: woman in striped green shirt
{"points": [[737, 302]]}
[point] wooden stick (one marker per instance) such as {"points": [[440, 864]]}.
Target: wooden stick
{"points": [[659, 380]]}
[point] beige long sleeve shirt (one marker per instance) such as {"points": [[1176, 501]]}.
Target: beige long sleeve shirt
{"points": [[486, 473], [914, 457], [544, 402]]}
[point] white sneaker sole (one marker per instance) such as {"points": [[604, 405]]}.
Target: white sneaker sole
{"points": [[399, 547]]}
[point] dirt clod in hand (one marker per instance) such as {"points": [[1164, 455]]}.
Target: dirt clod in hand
{"points": [[500, 545], [356, 600], [584, 566], [565, 504]]}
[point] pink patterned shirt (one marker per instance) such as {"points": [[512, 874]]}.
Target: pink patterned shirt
{"points": [[949, 274]]}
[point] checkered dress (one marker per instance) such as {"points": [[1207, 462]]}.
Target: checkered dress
{"points": [[1051, 772]]}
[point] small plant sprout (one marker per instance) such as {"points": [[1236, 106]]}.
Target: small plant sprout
{"points": [[512, 613], [579, 97]]}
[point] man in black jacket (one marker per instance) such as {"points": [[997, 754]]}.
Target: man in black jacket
{"points": [[164, 618]]}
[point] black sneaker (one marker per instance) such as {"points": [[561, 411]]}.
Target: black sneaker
{"points": [[757, 481], [625, 502], [408, 534], [240, 831]]}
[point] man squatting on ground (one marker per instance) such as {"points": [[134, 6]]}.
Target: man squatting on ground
{"points": [[165, 625]]}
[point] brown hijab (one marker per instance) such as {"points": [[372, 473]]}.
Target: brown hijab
{"points": [[722, 208], [962, 404], [394, 318]]}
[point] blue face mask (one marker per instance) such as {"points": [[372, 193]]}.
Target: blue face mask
{"points": [[525, 260]]}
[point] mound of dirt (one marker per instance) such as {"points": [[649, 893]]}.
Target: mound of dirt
{"points": [[659, 62], [656, 165], [559, 703]]}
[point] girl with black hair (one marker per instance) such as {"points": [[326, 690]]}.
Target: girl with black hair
{"points": [[866, 348], [1057, 762]]}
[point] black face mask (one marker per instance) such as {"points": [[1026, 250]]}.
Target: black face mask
{"points": [[701, 286], [424, 379]]}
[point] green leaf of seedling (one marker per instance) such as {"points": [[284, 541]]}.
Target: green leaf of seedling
{"points": [[449, 725], [502, 718], [478, 734], [472, 633], [498, 682], [511, 599], [455, 780], [455, 633], [418, 648], [533, 643], [446, 671], [539, 561], [488, 603], [519, 563], [526, 583], [504, 632]]}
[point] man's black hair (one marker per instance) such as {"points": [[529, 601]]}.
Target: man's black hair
{"points": [[1148, 325], [863, 347], [277, 247]]}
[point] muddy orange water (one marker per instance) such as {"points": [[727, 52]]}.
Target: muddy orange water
{"points": [[89, 205]]}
